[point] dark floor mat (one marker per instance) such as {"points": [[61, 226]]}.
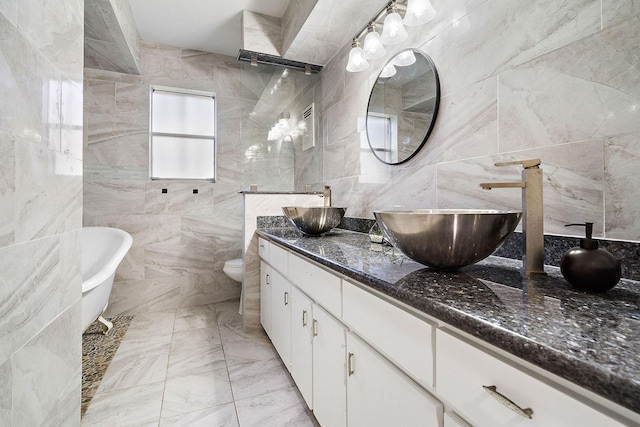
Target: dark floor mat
{"points": [[97, 352]]}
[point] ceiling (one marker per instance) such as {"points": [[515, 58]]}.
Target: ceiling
{"points": [[207, 25]]}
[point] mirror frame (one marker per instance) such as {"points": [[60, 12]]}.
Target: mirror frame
{"points": [[435, 108]]}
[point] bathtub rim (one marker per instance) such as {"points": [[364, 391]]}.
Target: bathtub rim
{"points": [[112, 264]]}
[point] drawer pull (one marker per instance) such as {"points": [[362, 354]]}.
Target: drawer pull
{"points": [[350, 364], [493, 391], [268, 281], [286, 298]]}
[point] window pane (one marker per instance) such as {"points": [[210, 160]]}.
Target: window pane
{"points": [[182, 113], [378, 132], [184, 158]]}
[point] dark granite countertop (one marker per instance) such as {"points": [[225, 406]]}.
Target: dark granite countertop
{"points": [[592, 340]]}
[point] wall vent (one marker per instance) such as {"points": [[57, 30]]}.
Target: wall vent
{"points": [[309, 137], [263, 58]]}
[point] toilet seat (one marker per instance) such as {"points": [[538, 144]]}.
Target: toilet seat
{"points": [[234, 268], [234, 263]]}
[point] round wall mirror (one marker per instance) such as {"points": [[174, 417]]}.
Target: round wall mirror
{"points": [[403, 107]]}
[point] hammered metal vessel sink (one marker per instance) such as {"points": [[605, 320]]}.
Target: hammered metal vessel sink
{"points": [[316, 220], [447, 239]]}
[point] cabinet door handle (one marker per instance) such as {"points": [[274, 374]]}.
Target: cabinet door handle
{"points": [[314, 327], [286, 298], [350, 364], [493, 391], [304, 318], [268, 279]]}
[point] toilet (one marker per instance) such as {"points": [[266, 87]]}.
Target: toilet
{"points": [[234, 269]]}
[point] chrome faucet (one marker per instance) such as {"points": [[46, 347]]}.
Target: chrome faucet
{"points": [[532, 212], [327, 195]]}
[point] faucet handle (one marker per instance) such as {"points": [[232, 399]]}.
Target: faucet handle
{"points": [[529, 163]]}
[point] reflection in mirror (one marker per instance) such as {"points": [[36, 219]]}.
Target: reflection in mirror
{"points": [[403, 107]]}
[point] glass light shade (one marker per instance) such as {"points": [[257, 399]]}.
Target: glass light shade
{"points": [[418, 12], [373, 48], [403, 59], [393, 31], [357, 62], [388, 71]]}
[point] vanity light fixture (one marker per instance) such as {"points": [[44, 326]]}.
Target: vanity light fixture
{"points": [[418, 12], [285, 126], [373, 48], [404, 59], [393, 31], [357, 61]]}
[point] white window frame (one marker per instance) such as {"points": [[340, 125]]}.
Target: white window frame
{"points": [[192, 136], [389, 151]]}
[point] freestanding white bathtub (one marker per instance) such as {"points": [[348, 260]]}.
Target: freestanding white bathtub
{"points": [[103, 248]]}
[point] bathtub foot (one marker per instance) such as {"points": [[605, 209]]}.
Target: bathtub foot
{"points": [[106, 325]]}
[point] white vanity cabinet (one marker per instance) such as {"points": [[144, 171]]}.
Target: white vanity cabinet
{"points": [[301, 344], [265, 297], [378, 394], [329, 369], [281, 316], [360, 358], [401, 337], [464, 372], [320, 366]]}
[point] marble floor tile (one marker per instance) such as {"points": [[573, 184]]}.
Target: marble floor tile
{"points": [[248, 350], [216, 416], [194, 392], [149, 345], [160, 322], [195, 338], [231, 328], [232, 305], [126, 372], [257, 378], [189, 318], [277, 409], [195, 361], [136, 406], [207, 372]]}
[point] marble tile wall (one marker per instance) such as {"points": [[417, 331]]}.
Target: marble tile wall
{"points": [[180, 239], [313, 30], [111, 38], [261, 33], [41, 93], [558, 81]]}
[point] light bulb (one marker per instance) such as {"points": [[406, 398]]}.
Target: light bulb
{"points": [[388, 71], [393, 31], [357, 62], [404, 58], [418, 12], [373, 48]]}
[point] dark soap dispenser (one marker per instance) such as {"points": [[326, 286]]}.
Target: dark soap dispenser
{"points": [[589, 268]]}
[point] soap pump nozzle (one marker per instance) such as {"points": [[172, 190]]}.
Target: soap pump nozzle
{"points": [[588, 242]]}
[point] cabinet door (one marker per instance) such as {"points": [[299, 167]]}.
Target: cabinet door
{"points": [[378, 394], [265, 296], [329, 370], [301, 341], [403, 338], [470, 379], [281, 316]]}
